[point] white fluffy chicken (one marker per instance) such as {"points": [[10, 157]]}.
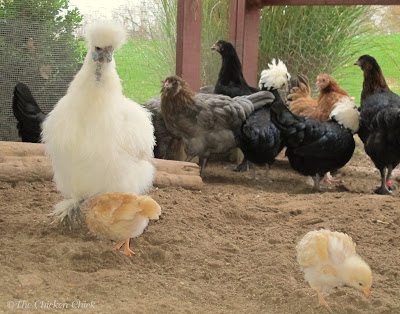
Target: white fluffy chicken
{"points": [[98, 140], [120, 216], [329, 259]]}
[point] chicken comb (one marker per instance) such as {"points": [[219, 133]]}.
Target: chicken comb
{"points": [[104, 34]]}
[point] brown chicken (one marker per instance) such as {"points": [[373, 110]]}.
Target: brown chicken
{"points": [[120, 216], [300, 100], [304, 105]]}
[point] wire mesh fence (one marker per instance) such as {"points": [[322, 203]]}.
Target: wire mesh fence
{"points": [[41, 44]]}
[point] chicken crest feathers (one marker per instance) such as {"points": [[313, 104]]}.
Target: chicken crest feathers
{"points": [[275, 76], [103, 34]]}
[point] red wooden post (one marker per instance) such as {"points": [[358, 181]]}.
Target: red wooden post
{"points": [[188, 42], [244, 30]]}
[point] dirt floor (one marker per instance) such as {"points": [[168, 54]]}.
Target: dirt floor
{"points": [[229, 248]]}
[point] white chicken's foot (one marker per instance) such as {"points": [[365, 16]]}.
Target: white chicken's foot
{"points": [[66, 209]]}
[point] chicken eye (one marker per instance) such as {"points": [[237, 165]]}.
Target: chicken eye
{"points": [[97, 49], [360, 284]]}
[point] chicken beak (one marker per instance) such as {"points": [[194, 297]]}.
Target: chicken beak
{"points": [[367, 292], [166, 84], [214, 47], [103, 55], [357, 63]]}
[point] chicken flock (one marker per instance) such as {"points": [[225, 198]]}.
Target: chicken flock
{"points": [[103, 164]]}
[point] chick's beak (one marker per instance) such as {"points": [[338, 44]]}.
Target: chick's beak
{"points": [[357, 63], [215, 47], [367, 292]]}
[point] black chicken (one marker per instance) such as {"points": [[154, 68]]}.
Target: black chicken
{"points": [[313, 147], [258, 138], [28, 114], [380, 121], [230, 81]]}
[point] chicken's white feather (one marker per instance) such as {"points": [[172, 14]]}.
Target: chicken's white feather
{"points": [[346, 113], [99, 140], [276, 76], [105, 33]]}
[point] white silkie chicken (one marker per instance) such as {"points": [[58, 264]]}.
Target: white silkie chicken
{"points": [[98, 140], [329, 260]]}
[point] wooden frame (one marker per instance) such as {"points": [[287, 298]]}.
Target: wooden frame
{"points": [[243, 32]]}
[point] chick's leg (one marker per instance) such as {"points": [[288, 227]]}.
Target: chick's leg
{"points": [[317, 180], [118, 245], [323, 302], [127, 250]]}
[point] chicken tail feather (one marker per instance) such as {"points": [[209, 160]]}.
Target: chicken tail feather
{"points": [[28, 114]]}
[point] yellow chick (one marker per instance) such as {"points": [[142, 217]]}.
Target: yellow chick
{"points": [[120, 216], [329, 259]]}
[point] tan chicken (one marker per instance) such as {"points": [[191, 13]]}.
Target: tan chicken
{"points": [[300, 100], [329, 259], [120, 216]]}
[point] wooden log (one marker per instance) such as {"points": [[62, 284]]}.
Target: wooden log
{"points": [[28, 162]]}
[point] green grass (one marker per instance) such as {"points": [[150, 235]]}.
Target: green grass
{"points": [[142, 68], [386, 50]]}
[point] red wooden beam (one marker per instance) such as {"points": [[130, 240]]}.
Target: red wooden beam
{"points": [[188, 42], [261, 3], [244, 29]]}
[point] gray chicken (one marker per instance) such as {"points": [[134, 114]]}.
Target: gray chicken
{"points": [[166, 144], [206, 122]]}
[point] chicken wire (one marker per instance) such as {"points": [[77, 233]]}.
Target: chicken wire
{"points": [[35, 52]]}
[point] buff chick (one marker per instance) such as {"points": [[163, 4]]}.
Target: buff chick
{"points": [[329, 259], [120, 216]]}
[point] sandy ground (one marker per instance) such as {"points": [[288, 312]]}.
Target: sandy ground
{"points": [[229, 248]]}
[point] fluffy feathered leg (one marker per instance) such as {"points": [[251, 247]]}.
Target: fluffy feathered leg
{"points": [[329, 179], [67, 212], [317, 180], [383, 190]]}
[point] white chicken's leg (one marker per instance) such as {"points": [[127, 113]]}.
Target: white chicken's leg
{"points": [[65, 209]]}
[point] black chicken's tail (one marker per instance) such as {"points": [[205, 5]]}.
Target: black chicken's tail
{"points": [[28, 114], [290, 125]]}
